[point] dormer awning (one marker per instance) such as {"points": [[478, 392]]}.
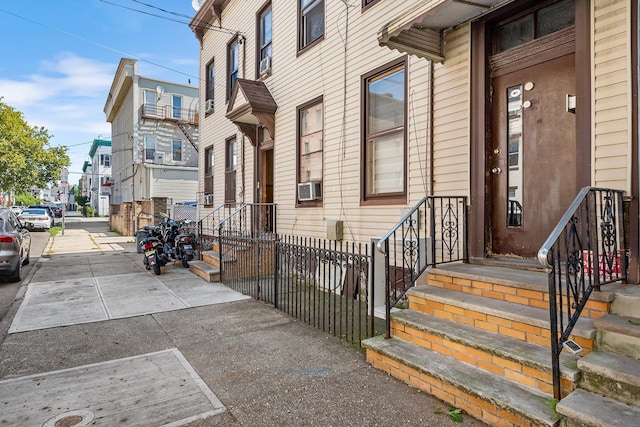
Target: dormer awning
{"points": [[418, 29], [251, 104]]}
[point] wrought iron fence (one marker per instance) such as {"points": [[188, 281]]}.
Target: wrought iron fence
{"points": [[433, 232], [320, 282], [585, 250]]}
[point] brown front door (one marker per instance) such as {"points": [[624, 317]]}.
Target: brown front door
{"points": [[532, 164], [264, 179]]}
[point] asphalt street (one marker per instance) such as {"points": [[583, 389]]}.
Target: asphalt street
{"points": [[91, 337]]}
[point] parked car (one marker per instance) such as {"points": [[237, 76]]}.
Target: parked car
{"points": [[39, 218], [16, 209], [57, 209], [15, 245], [49, 212]]}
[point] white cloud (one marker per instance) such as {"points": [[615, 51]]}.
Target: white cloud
{"points": [[66, 76]]}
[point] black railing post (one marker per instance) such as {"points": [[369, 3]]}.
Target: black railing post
{"points": [[276, 265], [387, 287], [553, 326]]}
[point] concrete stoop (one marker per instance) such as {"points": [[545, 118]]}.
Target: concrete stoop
{"points": [[486, 396], [482, 345], [585, 409], [609, 386]]}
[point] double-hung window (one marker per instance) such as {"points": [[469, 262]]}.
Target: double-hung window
{"points": [[310, 22], [384, 146], [264, 43], [149, 147], [210, 85], [231, 164], [176, 106], [150, 108], [233, 56], [311, 143], [208, 171], [105, 160], [176, 150]]}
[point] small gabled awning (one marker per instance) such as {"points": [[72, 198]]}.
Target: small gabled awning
{"points": [[418, 29], [251, 104]]}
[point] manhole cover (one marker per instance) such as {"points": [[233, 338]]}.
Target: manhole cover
{"points": [[71, 419]]}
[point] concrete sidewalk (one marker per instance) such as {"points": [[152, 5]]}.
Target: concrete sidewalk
{"points": [[233, 363]]}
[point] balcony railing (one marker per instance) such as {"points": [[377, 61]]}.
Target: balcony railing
{"points": [[170, 113]]}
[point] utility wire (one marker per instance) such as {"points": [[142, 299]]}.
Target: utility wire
{"points": [[163, 10], [199, 26], [98, 44]]}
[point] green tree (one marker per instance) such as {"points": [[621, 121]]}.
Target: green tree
{"points": [[25, 199], [26, 158]]}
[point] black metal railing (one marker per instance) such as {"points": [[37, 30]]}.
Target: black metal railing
{"points": [[245, 218], [320, 282], [208, 226], [433, 232], [585, 250]]}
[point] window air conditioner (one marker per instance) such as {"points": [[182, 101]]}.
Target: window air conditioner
{"points": [[208, 106], [158, 158], [309, 191], [208, 199], [265, 65]]}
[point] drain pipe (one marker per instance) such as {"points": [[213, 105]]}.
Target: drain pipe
{"points": [[431, 126]]}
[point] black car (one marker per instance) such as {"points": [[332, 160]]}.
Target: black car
{"points": [[49, 211]]}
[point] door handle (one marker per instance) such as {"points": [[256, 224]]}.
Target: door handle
{"points": [[496, 171]]}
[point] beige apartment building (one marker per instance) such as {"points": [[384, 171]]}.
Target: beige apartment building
{"points": [[352, 112]]}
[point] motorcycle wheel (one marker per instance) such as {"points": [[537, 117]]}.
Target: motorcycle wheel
{"points": [[156, 269], [185, 262]]}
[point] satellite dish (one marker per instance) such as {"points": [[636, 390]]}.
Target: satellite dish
{"points": [[160, 90], [196, 4]]}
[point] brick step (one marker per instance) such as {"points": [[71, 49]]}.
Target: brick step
{"points": [[483, 395], [507, 284], [206, 271], [619, 334], [585, 409], [522, 322], [612, 375], [524, 362]]}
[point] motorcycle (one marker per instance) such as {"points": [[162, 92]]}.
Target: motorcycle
{"points": [[169, 230], [184, 244], [152, 247]]}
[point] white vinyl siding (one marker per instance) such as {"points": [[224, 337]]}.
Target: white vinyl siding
{"points": [[177, 184], [612, 94], [452, 115], [319, 71]]}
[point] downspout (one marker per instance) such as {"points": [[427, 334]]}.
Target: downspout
{"points": [[241, 41], [431, 126]]}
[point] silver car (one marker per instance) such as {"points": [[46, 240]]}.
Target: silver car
{"points": [[15, 245]]}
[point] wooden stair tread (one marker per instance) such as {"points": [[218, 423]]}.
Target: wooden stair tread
{"points": [[501, 392]]}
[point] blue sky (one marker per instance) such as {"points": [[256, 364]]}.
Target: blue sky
{"points": [[59, 58]]}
